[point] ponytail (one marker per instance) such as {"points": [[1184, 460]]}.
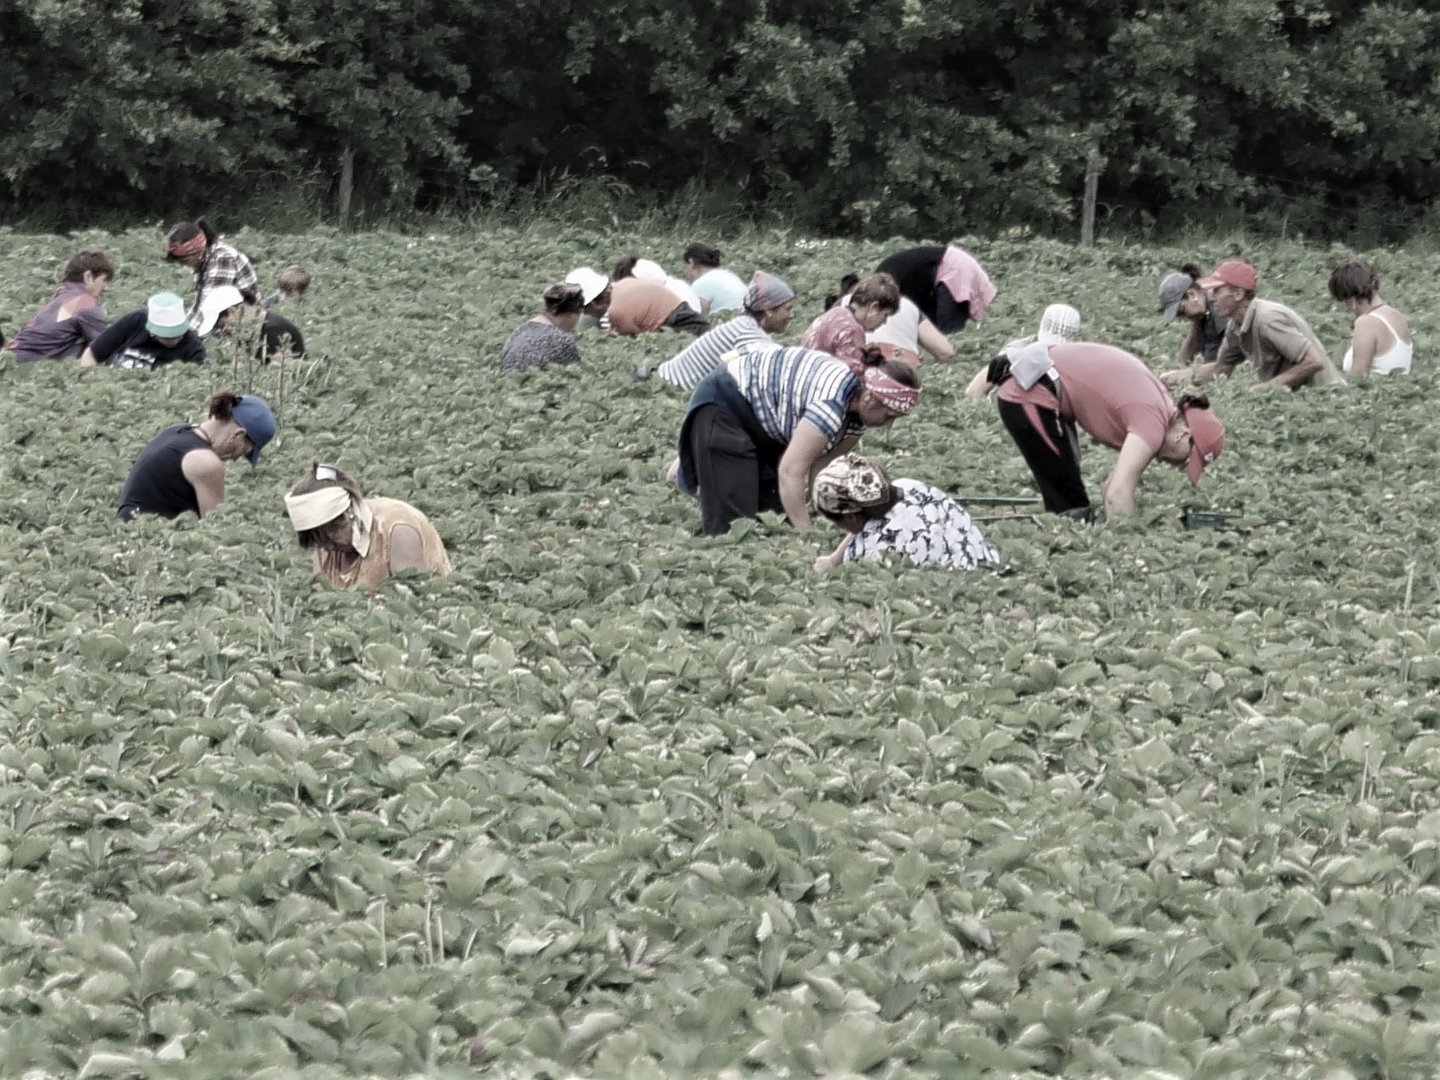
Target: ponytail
{"points": [[222, 404]]}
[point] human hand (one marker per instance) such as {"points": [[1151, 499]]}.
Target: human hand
{"points": [[823, 563], [1176, 377]]}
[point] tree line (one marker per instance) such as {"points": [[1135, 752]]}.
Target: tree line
{"points": [[850, 116]]}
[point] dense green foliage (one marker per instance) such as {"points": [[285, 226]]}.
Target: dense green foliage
{"points": [[614, 800], [858, 117]]}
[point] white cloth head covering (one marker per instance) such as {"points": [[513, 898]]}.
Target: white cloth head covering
{"points": [[315, 509]]}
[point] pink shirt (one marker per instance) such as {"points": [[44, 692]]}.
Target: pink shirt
{"points": [[838, 333], [1107, 391]]}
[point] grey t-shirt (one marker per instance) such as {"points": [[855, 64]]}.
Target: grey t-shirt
{"points": [[535, 344]]}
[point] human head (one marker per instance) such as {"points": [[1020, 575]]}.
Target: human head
{"points": [[889, 389], [564, 302], [1194, 437], [189, 242], [770, 302], [624, 268], [328, 510], [1230, 285], [847, 286], [594, 289], [1173, 288], [91, 268], [217, 307], [244, 413], [165, 318], [874, 300], [1354, 282], [852, 490], [1058, 323], [293, 281], [700, 258]]}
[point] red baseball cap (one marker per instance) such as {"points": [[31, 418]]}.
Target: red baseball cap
{"points": [[1231, 272], [1207, 439]]}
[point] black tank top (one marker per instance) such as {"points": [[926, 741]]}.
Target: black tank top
{"points": [[156, 484]]}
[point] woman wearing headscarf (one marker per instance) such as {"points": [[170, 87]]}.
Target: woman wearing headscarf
{"points": [[1046, 392], [548, 338], [196, 245], [840, 330], [1058, 323], [884, 517], [183, 468], [764, 422], [947, 284], [360, 541], [768, 308]]}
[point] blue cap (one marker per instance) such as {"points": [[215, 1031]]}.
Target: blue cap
{"points": [[252, 414]]}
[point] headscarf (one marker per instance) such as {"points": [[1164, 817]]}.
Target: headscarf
{"points": [[767, 292], [890, 392], [850, 484], [185, 248], [315, 509], [1059, 323]]}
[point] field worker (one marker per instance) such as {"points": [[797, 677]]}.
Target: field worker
{"points": [[718, 289], [762, 424], [360, 541], [1382, 343], [881, 517], [1046, 391], [548, 338], [595, 291], [183, 468], [72, 318], [1284, 349], [639, 307], [148, 337], [840, 331], [649, 270], [909, 331], [291, 286], [767, 309], [1058, 323], [224, 313], [1180, 295], [947, 284], [195, 244]]}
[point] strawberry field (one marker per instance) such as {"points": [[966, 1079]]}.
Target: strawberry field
{"points": [[614, 800]]}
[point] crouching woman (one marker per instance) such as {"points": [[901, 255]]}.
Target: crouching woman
{"points": [[360, 541]]}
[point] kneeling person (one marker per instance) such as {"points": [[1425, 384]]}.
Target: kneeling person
{"points": [[159, 333]]}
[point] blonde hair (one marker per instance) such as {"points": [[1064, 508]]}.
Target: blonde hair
{"points": [[294, 279]]}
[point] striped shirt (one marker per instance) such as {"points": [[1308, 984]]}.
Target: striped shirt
{"points": [[691, 364], [786, 386]]}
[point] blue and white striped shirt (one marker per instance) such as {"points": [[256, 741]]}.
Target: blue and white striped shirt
{"points": [[786, 386], [686, 368]]}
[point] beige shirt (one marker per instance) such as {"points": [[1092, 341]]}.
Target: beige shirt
{"points": [[375, 566], [1275, 338]]}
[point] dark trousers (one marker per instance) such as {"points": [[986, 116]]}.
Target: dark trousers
{"points": [[737, 478], [688, 319], [1057, 475]]}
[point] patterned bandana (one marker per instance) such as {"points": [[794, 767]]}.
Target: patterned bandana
{"points": [[767, 292], [894, 395], [850, 484], [183, 250]]}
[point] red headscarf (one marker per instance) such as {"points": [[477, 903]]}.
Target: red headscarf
{"points": [[185, 248]]}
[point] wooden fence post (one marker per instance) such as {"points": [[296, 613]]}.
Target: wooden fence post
{"points": [[1087, 208], [347, 184]]}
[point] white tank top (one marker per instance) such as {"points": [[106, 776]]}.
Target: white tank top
{"points": [[1395, 358]]}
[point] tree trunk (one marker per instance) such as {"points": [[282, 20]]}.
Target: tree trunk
{"points": [[1087, 208], [347, 184]]}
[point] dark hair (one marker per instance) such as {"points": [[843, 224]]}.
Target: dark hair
{"points": [[564, 298], [293, 278], [847, 285], [625, 267], [1353, 280], [879, 289], [903, 373], [1191, 270], [1193, 401], [309, 538], [188, 230], [222, 404], [702, 254], [92, 261]]}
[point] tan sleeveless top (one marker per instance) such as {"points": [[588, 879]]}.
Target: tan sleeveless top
{"points": [[375, 566]]}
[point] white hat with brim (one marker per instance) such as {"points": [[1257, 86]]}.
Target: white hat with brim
{"points": [[165, 316], [214, 303], [591, 283]]}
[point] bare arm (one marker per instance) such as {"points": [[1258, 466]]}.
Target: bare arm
{"points": [[835, 558], [934, 342], [801, 458], [980, 385], [407, 551], [206, 473], [1362, 348], [1185, 354], [1310, 365], [1135, 454], [87, 358]]}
